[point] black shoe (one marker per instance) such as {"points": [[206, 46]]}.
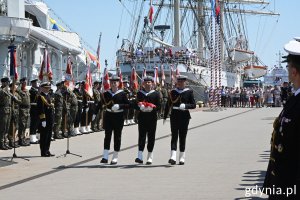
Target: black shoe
{"points": [[50, 154], [181, 163], [113, 163], [59, 137], [101, 129], [7, 146], [45, 155], [23, 143], [3, 147], [103, 160], [172, 162], [137, 160], [148, 163]]}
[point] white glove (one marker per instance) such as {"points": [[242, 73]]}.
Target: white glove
{"points": [[142, 108], [115, 107], [182, 106], [44, 124], [94, 117], [87, 109], [149, 109]]}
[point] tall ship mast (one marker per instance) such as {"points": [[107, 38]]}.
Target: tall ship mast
{"points": [[205, 40]]}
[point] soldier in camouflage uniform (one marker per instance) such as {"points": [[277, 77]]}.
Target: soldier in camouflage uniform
{"points": [[34, 118], [5, 113], [24, 109], [13, 125], [95, 107], [58, 106], [73, 111]]}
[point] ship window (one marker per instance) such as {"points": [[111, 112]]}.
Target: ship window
{"points": [[33, 18]]}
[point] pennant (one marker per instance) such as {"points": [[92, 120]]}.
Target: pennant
{"points": [[88, 83], [119, 74], [105, 80], [163, 77], [46, 74], [13, 62], [133, 80], [69, 80], [156, 78]]}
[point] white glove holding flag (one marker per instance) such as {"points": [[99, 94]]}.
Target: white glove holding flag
{"points": [[142, 108], [87, 109], [94, 117], [115, 107], [182, 106], [44, 124]]}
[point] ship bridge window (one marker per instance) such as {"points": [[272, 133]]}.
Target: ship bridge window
{"points": [[33, 18]]}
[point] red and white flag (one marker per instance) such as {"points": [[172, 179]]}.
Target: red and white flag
{"points": [[119, 74], [163, 77], [151, 11], [133, 80], [105, 80], [88, 83], [156, 78], [46, 74], [69, 80]]}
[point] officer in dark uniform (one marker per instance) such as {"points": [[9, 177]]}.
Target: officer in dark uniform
{"points": [[24, 111], [147, 118], [286, 92], [5, 113], [283, 171], [45, 112], [85, 121], [115, 101], [179, 101], [34, 118]]}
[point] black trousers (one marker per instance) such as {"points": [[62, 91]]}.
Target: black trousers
{"points": [[113, 122], [34, 120], [179, 127], [45, 137], [147, 127]]}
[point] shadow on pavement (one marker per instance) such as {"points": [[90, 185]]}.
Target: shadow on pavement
{"points": [[102, 166]]}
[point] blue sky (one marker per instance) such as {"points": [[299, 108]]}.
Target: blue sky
{"points": [[88, 18]]}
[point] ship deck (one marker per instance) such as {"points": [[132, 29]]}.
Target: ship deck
{"points": [[226, 153]]}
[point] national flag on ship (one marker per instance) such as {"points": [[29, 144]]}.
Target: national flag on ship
{"points": [[13, 62], [133, 80], [151, 11], [45, 74], [69, 80], [105, 80]]}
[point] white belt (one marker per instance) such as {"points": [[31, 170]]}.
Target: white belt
{"points": [[178, 108], [114, 111]]}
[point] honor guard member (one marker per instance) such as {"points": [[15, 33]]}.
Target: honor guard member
{"points": [[283, 171], [14, 126], [34, 118], [115, 101], [180, 100], [58, 109], [73, 112], [45, 113], [85, 109], [95, 107], [24, 111], [79, 95], [147, 118], [5, 113]]}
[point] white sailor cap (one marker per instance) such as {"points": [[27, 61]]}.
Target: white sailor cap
{"points": [[293, 47]]}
